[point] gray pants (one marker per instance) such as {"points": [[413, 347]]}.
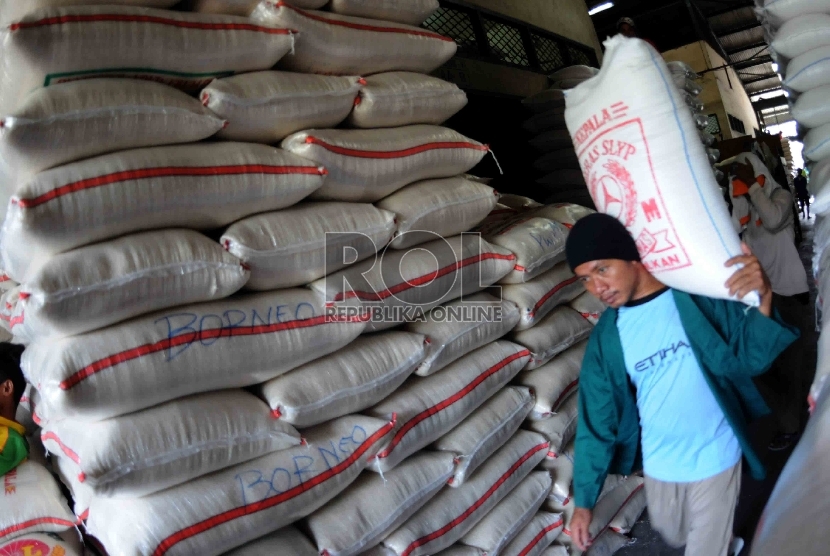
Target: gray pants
{"points": [[698, 515]]}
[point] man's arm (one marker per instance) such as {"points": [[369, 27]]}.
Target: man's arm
{"points": [[774, 210], [596, 435]]}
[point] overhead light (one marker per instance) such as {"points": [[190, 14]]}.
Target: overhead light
{"points": [[775, 67], [600, 8]]}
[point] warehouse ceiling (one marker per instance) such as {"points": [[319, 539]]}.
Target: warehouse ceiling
{"points": [[730, 26]]}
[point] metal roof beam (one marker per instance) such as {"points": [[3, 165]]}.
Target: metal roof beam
{"points": [[768, 103], [752, 62], [758, 79], [740, 49], [747, 27]]}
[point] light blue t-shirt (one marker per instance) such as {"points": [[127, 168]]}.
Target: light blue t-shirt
{"points": [[685, 434]]}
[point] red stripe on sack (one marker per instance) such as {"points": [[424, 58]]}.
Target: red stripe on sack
{"points": [[519, 268], [5, 318], [64, 448], [14, 321], [420, 280], [164, 172], [4, 278], [249, 509], [358, 153], [478, 503], [364, 27], [34, 522], [526, 550], [191, 337], [84, 515], [565, 393], [276, 414], [24, 295], [430, 411], [60, 20], [552, 292]]}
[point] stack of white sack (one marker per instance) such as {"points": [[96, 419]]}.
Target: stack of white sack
{"points": [[800, 40], [562, 180]]}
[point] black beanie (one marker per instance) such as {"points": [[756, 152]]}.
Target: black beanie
{"points": [[599, 236]]}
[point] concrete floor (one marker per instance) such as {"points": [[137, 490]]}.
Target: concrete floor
{"points": [[754, 494]]}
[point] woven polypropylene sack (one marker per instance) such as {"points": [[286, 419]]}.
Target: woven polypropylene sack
{"points": [[32, 503], [34, 544], [349, 380], [10, 11], [811, 109], [458, 327], [367, 165], [539, 296], [76, 120], [809, 71], [245, 7], [373, 506], [401, 98], [81, 493], [169, 444], [589, 307], [560, 427], [608, 544], [564, 213], [684, 234], [298, 245], [536, 536], [79, 42], [556, 550], [267, 106], [554, 382], [105, 283], [288, 541], [229, 508], [561, 469], [627, 497], [802, 34], [181, 351], [604, 510], [453, 512], [411, 12], [817, 143], [431, 209], [779, 11], [545, 101], [555, 333], [628, 515], [454, 550], [510, 516], [487, 428], [402, 285], [201, 186], [428, 408], [518, 201], [538, 243], [344, 45]]}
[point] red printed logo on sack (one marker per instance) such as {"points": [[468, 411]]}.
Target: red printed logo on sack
{"points": [[615, 159], [30, 547]]}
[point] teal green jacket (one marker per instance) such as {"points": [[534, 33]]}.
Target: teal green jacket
{"points": [[732, 343]]}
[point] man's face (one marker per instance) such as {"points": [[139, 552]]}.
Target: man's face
{"points": [[628, 31], [612, 281]]}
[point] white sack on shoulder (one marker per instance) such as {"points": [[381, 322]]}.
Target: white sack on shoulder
{"points": [[458, 327], [300, 244], [636, 141], [201, 186], [169, 444], [554, 382], [245, 7], [431, 209], [32, 502], [412, 12], [453, 512], [401, 98], [539, 296], [266, 106], [10, 11], [511, 515], [428, 408], [555, 333], [226, 509], [349, 380], [57, 45], [403, 285], [367, 165], [109, 282], [375, 505], [487, 428], [195, 348], [80, 119], [344, 45]]}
